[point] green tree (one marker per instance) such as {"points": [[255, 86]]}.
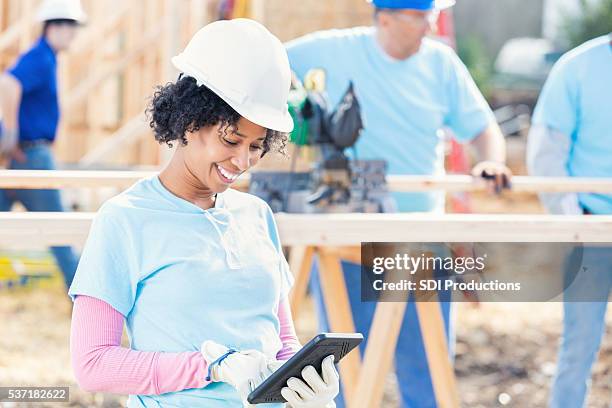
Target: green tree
{"points": [[594, 21], [473, 53]]}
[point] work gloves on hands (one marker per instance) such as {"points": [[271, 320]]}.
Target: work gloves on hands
{"points": [[313, 390], [245, 370]]}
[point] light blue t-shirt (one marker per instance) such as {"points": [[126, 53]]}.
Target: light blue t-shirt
{"points": [[405, 104], [577, 101], [182, 275]]}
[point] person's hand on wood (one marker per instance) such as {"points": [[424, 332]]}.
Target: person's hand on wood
{"points": [[496, 175]]}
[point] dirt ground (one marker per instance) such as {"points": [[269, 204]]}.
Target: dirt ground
{"points": [[505, 353]]}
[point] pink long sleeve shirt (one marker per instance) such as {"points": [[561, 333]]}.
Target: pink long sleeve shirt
{"points": [[100, 364]]}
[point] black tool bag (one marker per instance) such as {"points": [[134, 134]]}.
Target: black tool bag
{"points": [[345, 123]]}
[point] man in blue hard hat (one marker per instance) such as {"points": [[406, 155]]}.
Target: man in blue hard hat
{"points": [[410, 89], [30, 107]]}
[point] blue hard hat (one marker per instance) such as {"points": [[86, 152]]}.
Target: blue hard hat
{"points": [[412, 4]]}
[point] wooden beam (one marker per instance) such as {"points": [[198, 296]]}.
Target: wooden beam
{"points": [[258, 10], [452, 183], [11, 34], [339, 314], [138, 127], [25, 38], [43, 229], [441, 370], [41, 179], [351, 229], [101, 31], [379, 353], [131, 132], [300, 263], [348, 229], [148, 40]]}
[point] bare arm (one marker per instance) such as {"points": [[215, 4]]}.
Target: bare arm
{"points": [[490, 144], [10, 98]]}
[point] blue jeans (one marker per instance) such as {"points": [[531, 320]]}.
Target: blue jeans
{"points": [[411, 366], [41, 158], [584, 308]]}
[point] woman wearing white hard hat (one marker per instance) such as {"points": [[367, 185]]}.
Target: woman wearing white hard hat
{"points": [[193, 268]]}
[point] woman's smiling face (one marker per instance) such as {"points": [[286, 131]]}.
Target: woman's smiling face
{"points": [[216, 156]]}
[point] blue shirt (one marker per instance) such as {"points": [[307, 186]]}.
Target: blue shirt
{"points": [[36, 70], [576, 101], [182, 275], [405, 104]]}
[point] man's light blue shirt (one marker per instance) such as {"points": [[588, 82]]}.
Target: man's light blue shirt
{"points": [[576, 101], [405, 104], [181, 275]]}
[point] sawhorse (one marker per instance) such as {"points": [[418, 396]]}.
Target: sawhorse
{"points": [[363, 380]]}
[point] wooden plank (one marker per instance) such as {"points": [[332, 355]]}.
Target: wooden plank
{"points": [[149, 77], [43, 229], [417, 183], [80, 92], [379, 353], [3, 14], [258, 10], [100, 31], [300, 262], [69, 178], [11, 35], [352, 229], [94, 116], [130, 133], [436, 348], [25, 39], [339, 314], [454, 183], [397, 183]]}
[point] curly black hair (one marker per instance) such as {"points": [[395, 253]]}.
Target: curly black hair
{"points": [[183, 106]]}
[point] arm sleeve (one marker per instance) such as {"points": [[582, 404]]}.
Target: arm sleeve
{"points": [[554, 123], [100, 364], [31, 71], [291, 344], [547, 154], [469, 113], [108, 268]]}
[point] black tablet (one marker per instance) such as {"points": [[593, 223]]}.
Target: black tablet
{"points": [[313, 353]]}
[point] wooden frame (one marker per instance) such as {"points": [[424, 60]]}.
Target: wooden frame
{"points": [[128, 134]]}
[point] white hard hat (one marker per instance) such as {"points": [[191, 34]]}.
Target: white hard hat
{"points": [[246, 66], [61, 10]]}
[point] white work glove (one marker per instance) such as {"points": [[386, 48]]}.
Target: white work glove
{"points": [[243, 370], [317, 391]]}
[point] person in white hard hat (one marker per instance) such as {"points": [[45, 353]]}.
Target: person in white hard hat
{"points": [[29, 103], [192, 267]]}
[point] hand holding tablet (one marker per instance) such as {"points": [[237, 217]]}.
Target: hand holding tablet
{"points": [[309, 385]]}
